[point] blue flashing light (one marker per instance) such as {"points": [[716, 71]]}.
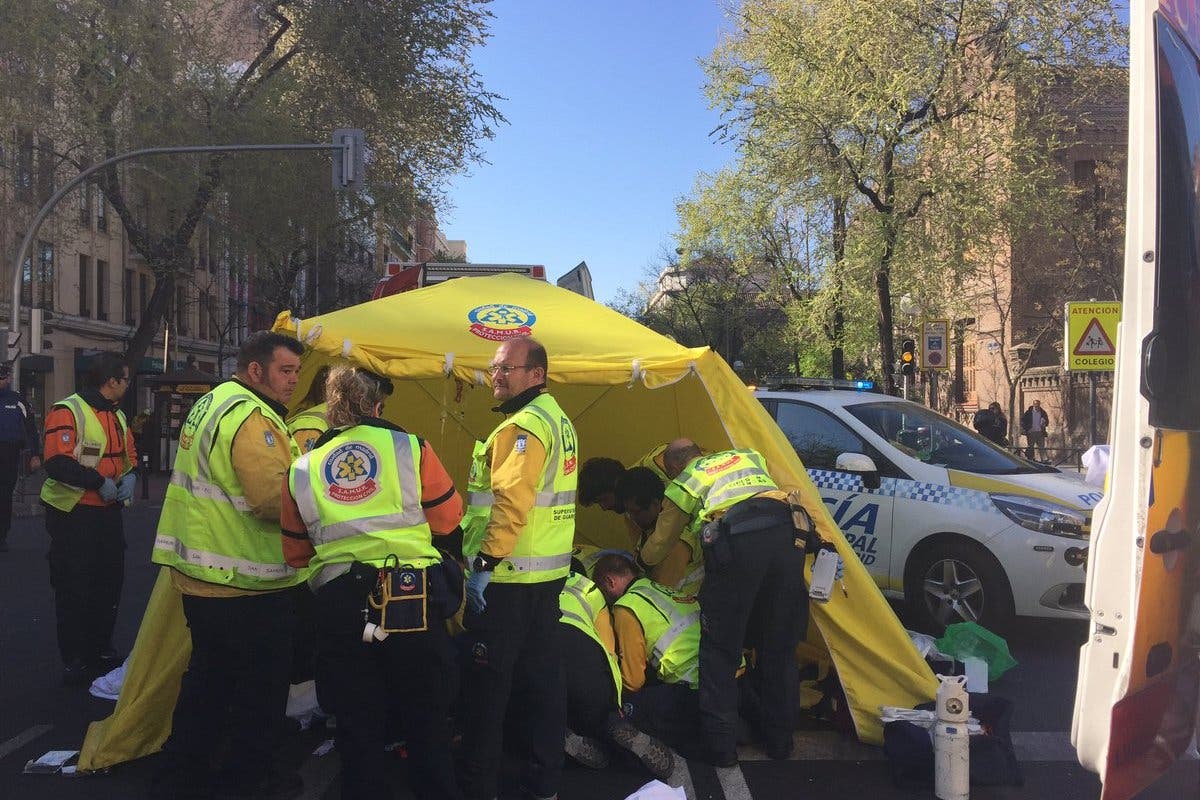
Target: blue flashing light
{"points": [[864, 386]]}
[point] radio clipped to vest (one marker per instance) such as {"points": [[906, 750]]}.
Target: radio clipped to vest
{"points": [[399, 602]]}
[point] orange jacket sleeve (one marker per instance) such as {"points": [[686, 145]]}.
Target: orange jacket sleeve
{"points": [[297, 547], [442, 503]]}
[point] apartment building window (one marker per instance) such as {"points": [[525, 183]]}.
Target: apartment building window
{"points": [[45, 275], [85, 207], [101, 211], [101, 289], [202, 249], [203, 309], [23, 165], [181, 309], [127, 296], [45, 168], [85, 286], [143, 294]]}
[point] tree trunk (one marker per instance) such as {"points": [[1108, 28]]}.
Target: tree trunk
{"points": [[883, 292], [152, 314], [837, 366]]}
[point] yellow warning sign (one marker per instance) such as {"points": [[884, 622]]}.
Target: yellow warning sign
{"points": [[1090, 343]]}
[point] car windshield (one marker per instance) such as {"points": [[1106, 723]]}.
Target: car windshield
{"points": [[934, 439]]}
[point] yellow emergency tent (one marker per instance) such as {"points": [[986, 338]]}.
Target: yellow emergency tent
{"points": [[627, 389]]}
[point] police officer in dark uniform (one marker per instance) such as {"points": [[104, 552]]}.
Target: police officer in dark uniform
{"points": [[17, 434]]}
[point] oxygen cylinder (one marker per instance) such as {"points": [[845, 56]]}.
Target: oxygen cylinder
{"points": [[951, 750]]}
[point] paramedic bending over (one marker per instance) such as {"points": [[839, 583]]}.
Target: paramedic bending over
{"points": [[368, 493]]}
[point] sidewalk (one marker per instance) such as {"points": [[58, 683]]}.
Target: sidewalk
{"points": [[27, 504]]}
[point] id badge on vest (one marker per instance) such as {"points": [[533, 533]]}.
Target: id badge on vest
{"points": [[90, 453]]}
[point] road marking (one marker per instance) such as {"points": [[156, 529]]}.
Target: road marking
{"points": [[681, 775], [319, 773], [23, 738], [733, 783]]}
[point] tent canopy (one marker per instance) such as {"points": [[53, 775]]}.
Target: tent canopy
{"points": [[627, 389]]}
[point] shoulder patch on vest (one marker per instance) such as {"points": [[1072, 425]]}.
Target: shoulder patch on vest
{"points": [[270, 437], [522, 442]]}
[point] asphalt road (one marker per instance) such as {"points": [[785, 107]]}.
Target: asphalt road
{"points": [[37, 715]]}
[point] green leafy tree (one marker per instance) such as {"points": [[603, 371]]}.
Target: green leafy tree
{"points": [[107, 77], [865, 98]]}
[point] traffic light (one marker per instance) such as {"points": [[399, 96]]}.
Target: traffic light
{"points": [[349, 158], [908, 357]]}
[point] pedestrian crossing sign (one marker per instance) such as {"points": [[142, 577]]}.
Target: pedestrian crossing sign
{"points": [[1090, 341]]}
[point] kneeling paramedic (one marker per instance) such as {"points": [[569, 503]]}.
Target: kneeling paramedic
{"points": [[359, 511], [594, 683], [658, 639], [753, 592]]}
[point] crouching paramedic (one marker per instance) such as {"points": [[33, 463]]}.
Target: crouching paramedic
{"points": [[658, 644], [359, 511], [677, 563], [593, 680], [753, 581]]}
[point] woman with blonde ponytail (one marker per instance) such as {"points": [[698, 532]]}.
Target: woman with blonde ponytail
{"points": [[360, 511]]}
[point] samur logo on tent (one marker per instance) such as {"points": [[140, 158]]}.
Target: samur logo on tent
{"points": [[499, 321]]}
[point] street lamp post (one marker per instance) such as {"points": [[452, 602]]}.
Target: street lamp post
{"points": [[347, 173]]}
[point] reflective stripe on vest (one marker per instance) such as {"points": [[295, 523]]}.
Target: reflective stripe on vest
{"points": [[207, 529], [715, 482], [542, 551], [215, 561], [311, 419], [370, 516], [580, 603], [672, 629], [89, 431]]}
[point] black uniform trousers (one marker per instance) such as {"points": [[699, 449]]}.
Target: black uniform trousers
{"points": [[670, 712], [753, 594], [237, 676], [515, 640], [360, 684], [591, 693], [10, 467], [87, 570]]}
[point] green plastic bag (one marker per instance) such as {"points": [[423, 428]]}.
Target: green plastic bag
{"points": [[970, 640]]}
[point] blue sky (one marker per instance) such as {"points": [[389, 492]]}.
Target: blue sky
{"points": [[608, 128]]}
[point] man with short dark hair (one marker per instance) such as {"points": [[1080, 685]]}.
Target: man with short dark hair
{"points": [[90, 459], [641, 492], [18, 435], [219, 534]]}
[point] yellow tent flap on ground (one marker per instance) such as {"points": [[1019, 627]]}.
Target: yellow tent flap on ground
{"points": [[627, 389]]}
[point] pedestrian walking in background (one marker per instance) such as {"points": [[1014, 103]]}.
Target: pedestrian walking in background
{"points": [[18, 441], [90, 458], [1034, 423], [992, 423], [518, 536], [219, 534]]}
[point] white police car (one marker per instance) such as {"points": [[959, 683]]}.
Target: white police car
{"points": [[961, 528]]}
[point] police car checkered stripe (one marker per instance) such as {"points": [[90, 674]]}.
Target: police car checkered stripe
{"points": [[957, 497]]}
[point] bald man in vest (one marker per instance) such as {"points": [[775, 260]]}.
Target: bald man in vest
{"points": [[753, 592]]}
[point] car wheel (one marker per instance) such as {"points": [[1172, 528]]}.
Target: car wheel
{"points": [[957, 581]]}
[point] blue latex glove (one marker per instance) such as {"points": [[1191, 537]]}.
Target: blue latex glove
{"points": [[109, 491], [476, 583], [126, 486]]}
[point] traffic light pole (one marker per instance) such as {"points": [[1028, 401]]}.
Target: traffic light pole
{"points": [[341, 144]]}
